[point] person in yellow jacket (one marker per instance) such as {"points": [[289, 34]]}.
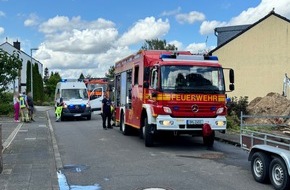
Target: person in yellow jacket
{"points": [[58, 110], [23, 108]]}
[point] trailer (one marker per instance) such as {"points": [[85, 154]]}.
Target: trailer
{"points": [[269, 153]]}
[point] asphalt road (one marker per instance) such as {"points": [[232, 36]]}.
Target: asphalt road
{"points": [[94, 158]]}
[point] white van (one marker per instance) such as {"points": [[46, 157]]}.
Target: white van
{"points": [[75, 99]]}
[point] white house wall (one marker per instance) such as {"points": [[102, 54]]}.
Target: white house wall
{"points": [[25, 57], [260, 57]]}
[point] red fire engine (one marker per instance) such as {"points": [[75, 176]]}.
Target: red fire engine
{"points": [[96, 88], [158, 91]]}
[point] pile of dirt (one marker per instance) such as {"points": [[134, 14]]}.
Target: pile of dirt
{"points": [[273, 104]]}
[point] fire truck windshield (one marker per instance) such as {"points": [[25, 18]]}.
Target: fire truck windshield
{"points": [[192, 79], [68, 94]]}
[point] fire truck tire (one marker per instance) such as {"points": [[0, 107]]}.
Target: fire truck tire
{"points": [[209, 140], [279, 175], [260, 167], [123, 127], [148, 135]]}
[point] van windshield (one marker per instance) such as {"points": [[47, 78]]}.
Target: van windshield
{"points": [[68, 94]]}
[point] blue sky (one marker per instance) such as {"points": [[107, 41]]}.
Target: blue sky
{"points": [[89, 36]]}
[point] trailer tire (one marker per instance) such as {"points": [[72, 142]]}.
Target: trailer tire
{"points": [[148, 133], [279, 174], [260, 167], [123, 127]]}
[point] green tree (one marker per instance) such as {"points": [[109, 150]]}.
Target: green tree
{"points": [[82, 76], [10, 67], [51, 83], [38, 94], [28, 77], [111, 73], [156, 44], [46, 75]]}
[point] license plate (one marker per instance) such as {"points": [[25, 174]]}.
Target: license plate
{"points": [[77, 115], [194, 122]]}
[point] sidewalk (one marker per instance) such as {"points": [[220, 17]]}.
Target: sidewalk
{"points": [[28, 155], [228, 137]]}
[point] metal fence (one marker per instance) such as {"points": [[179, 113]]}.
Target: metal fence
{"points": [[264, 129]]}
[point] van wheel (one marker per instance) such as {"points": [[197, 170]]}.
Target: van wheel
{"points": [[260, 167], [89, 117], [278, 174], [148, 133]]}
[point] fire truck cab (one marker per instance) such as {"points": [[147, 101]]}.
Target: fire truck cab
{"points": [[158, 91]]}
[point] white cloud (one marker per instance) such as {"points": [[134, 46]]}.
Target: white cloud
{"points": [[2, 14], [74, 46], [197, 48], [149, 28], [249, 16], [190, 18], [177, 44], [1, 30], [207, 27], [173, 12], [32, 20]]}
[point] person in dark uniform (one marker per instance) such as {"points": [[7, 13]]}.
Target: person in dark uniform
{"points": [[106, 111], [30, 106]]}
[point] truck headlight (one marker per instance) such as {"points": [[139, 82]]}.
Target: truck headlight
{"points": [[220, 123], [166, 122]]}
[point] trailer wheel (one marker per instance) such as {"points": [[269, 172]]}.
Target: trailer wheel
{"points": [[209, 140], [260, 167], [278, 174], [123, 127], [148, 133]]}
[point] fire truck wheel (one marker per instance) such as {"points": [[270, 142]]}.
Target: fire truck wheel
{"points": [[209, 140], [279, 175], [149, 133], [123, 127], [260, 167]]}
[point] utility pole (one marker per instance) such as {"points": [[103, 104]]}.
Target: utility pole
{"points": [[31, 70]]}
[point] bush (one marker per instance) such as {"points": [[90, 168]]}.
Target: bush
{"points": [[235, 107], [6, 109]]}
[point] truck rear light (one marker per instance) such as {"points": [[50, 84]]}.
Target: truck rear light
{"points": [[167, 110], [166, 122]]}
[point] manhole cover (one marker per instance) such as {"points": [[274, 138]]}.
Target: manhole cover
{"points": [[75, 168]]}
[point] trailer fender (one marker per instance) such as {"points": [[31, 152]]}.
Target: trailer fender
{"points": [[273, 151], [151, 119]]}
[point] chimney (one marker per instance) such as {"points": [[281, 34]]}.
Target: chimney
{"points": [[16, 45]]}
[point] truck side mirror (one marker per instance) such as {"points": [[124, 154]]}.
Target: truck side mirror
{"points": [[232, 87], [232, 76]]}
